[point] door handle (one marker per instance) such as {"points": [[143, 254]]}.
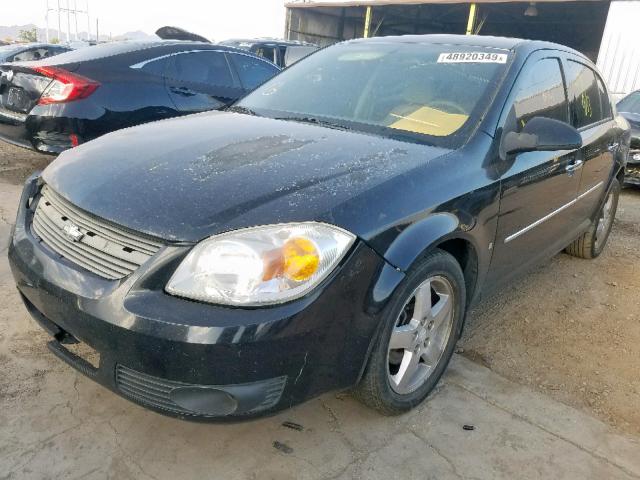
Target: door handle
{"points": [[572, 167], [613, 147]]}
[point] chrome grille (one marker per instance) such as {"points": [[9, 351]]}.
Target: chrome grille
{"points": [[100, 247], [156, 392]]}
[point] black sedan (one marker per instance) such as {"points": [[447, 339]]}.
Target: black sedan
{"points": [[629, 108], [61, 102], [329, 231]]}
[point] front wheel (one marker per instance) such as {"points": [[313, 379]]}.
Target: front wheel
{"points": [[591, 243], [421, 327]]}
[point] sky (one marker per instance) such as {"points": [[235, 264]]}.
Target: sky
{"points": [[214, 19]]}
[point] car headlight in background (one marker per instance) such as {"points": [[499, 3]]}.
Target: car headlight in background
{"points": [[260, 265]]}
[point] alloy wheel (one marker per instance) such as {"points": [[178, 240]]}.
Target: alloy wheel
{"points": [[420, 335], [605, 220]]}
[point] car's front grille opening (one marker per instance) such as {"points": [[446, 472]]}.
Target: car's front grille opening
{"points": [[94, 244]]}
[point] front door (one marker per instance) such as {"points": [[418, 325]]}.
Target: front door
{"points": [[538, 189]]}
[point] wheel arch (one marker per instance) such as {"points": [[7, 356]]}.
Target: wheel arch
{"points": [[443, 231]]}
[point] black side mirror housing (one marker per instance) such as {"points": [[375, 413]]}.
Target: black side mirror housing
{"points": [[542, 134]]}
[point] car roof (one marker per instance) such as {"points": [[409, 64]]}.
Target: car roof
{"points": [[104, 50], [267, 41], [504, 43]]}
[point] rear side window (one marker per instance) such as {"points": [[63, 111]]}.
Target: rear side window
{"points": [[252, 71], [204, 67], [267, 52], [540, 92], [584, 95], [33, 54]]}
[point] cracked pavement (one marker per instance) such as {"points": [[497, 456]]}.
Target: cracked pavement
{"points": [[55, 423]]}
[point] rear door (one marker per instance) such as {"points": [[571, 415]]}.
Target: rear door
{"points": [[201, 80], [591, 114], [537, 188]]}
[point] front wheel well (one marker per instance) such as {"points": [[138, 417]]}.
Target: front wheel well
{"points": [[466, 255]]}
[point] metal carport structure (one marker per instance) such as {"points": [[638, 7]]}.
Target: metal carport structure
{"points": [[578, 24]]}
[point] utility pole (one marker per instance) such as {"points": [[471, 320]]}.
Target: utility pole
{"points": [[59, 11], [75, 17], [88, 24], [59, 27], [46, 20]]}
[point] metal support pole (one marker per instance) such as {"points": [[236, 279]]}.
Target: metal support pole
{"points": [[287, 33], [472, 19], [367, 21]]}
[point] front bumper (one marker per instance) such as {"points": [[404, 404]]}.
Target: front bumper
{"points": [[632, 171], [194, 360]]}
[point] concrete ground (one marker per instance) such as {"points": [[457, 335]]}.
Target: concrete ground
{"points": [[55, 423]]}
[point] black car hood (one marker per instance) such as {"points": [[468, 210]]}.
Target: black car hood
{"points": [[187, 178]]}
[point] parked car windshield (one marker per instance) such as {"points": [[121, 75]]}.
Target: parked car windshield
{"points": [[426, 92]]}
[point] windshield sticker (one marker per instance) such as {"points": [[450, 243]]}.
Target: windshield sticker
{"points": [[472, 57]]}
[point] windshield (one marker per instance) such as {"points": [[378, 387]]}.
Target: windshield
{"points": [[431, 93], [630, 103]]}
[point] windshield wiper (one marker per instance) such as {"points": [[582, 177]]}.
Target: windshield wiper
{"points": [[315, 121], [241, 109]]}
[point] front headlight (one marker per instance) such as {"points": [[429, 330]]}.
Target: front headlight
{"points": [[260, 265]]}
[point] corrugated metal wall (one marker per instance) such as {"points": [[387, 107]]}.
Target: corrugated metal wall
{"points": [[619, 56]]}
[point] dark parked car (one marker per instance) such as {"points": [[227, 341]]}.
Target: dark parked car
{"points": [[281, 52], [629, 108], [58, 103], [329, 231], [26, 52]]}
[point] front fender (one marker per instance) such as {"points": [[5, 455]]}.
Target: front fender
{"points": [[419, 237]]}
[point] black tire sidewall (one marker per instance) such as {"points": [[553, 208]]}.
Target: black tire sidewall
{"points": [[435, 263]]}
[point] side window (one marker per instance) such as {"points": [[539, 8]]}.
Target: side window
{"points": [[540, 92], [27, 56], [204, 67], [252, 71], [584, 95], [605, 101], [47, 52], [267, 52], [156, 67]]}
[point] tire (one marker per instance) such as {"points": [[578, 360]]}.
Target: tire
{"points": [[592, 242], [387, 385]]}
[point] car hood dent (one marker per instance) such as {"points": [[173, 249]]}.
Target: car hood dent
{"points": [[185, 179]]}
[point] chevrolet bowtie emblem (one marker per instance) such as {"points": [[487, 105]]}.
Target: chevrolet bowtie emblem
{"points": [[72, 232]]}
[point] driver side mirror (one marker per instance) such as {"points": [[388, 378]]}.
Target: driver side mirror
{"points": [[542, 134]]}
